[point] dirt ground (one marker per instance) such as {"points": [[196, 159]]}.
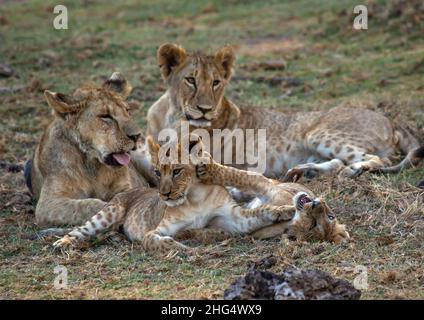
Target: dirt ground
{"points": [[291, 55]]}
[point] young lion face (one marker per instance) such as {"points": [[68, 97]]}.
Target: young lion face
{"points": [[315, 220], [196, 81], [175, 179], [98, 119]]}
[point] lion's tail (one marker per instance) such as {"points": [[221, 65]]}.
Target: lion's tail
{"points": [[27, 174], [410, 146], [412, 159]]}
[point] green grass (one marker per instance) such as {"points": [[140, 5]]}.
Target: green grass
{"points": [[335, 64]]}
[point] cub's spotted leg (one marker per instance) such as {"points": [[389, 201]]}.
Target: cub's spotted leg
{"points": [[104, 219], [204, 236], [233, 219], [215, 173], [242, 221], [160, 239]]}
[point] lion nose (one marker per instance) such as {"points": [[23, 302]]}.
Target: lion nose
{"points": [[204, 107], [134, 137], [166, 194]]}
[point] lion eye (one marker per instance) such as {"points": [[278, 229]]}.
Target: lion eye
{"points": [[215, 83], [157, 172], [176, 172], [106, 117], [191, 80], [331, 216]]}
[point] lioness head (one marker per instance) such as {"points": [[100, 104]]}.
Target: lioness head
{"points": [[175, 175], [196, 81], [98, 120], [315, 220]]}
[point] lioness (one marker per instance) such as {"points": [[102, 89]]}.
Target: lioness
{"points": [[184, 203], [343, 140], [83, 158]]}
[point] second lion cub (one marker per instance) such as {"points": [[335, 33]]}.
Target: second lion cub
{"points": [[193, 196], [182, 203]]}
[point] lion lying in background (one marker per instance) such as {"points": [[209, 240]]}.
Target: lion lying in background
{"points": [[341, 140]]}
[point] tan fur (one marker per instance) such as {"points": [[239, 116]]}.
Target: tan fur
{"points": [[356, 139], [70, 175], [310, 223], [181, 203], [186, 203]]}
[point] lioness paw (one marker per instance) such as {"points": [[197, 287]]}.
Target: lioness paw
{"points": [[280, 213], [293, 175]]}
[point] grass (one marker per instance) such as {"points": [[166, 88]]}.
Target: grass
{"points": [[380, 68]]}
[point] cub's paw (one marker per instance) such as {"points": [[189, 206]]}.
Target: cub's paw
{"points": [[295, 173], [65, 242], [203, 172], [282, 213]]}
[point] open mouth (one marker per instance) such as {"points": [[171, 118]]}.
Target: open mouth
{"points": [[302, 200], [117, 159], [200, 123]]}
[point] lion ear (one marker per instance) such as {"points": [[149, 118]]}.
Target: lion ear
{"points": [[195, 141], [170, 56], [62, 103], [118, 84], [196, 147], [153, 148], [133, 105], [225, 57]]}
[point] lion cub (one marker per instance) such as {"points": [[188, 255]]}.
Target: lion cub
{"points": [[182, 203], [313, 219]]}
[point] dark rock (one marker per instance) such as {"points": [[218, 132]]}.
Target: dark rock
{"points": [[6, 70], [292, 284], [10, 167], [265, 263]]}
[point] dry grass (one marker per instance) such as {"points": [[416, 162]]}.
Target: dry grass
{"points": [[332, 64]]}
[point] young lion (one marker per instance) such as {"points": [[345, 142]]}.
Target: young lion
{"points": [[341, 140], [313, 220], [182, 203], [83, 158]]}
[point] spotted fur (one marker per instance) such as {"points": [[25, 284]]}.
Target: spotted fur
{"points": [[345, 141], [181, 203], [313, 219]]}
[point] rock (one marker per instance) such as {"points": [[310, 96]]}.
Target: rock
{"points": [[6, 70], [292, 284]]}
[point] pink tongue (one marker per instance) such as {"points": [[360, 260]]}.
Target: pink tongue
{"points": [[122, 158]]}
